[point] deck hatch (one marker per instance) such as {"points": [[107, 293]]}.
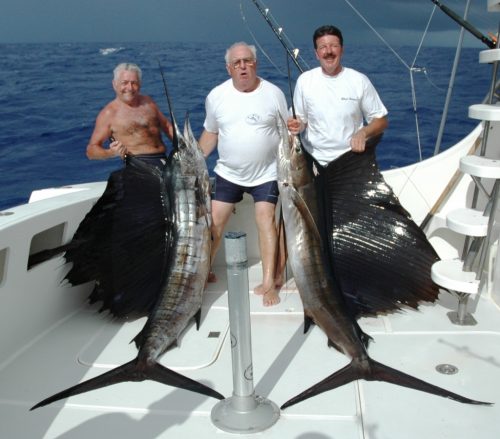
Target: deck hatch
{"points": [[110, 344]]}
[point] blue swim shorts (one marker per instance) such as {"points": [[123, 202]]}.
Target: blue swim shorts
{"points": [[232, 193]]}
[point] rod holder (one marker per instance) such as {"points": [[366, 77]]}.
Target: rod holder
{"points": [[243, 412]]}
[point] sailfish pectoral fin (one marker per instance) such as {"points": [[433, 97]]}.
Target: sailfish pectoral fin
{"points": [[308, 322], [306, 214], [131, 371], [197, 319]]}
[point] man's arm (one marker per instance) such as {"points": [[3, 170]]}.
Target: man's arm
{"points": [[101, 133], [208, 142], [375, 127]]}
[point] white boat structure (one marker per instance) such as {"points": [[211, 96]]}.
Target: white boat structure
{"points": [[51, 338]]}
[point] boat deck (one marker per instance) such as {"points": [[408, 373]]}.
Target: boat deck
{"points": [[285, 362]]}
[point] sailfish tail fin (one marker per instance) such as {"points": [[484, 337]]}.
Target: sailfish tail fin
{"points": [[167, 376], [132, 372], [343, 376], [381, 372], [371, 370]]}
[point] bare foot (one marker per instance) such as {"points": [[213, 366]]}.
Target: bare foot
{"points": [[211, 278], [271, 298], [279, 282], [260, 290]]}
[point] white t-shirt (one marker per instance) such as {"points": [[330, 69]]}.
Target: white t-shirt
{"points": [[248, 137], [334, 108]]}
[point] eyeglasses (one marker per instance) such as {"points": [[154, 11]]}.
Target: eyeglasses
{"points": [[249, 62]]}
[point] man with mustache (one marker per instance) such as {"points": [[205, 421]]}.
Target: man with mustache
{"points": [[338, 111], [337, 108]]}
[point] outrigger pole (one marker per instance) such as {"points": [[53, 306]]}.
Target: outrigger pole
{"points": [[278, 31], [465, 24]]}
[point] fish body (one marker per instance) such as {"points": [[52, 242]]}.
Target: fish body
{"points": [[184, 274], [187, 271], [322, 299]]}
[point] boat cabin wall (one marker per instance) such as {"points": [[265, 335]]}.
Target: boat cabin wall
{"points": [[33, 299]]}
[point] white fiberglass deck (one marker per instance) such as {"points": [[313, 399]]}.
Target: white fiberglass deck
{"points": [[285, 362]]}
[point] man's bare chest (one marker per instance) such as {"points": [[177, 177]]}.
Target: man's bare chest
{"points": [[135, 120]]}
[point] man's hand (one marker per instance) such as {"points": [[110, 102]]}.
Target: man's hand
{"points": [[295, 126], [358, 141], [118, 148]]}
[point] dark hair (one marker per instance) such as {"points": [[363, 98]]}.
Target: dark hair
{"points": [[327, 30]]}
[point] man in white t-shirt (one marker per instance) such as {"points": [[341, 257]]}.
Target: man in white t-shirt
{"points": [[241, 121], [337, 108]]}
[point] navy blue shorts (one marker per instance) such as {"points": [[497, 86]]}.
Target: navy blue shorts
{"points": [[232, 193]]}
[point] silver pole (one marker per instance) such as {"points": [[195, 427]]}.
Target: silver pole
{"points": [[239, 314], [451, 84], [244, 412]]}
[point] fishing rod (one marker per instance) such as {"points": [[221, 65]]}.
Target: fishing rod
{"points": [[170, 108], [290, 88], [278, 31], [465, 24]]}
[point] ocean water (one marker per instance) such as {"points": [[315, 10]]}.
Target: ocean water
{"points": [[50, 95]]}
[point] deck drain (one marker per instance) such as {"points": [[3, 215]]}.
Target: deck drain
{"points": [[447, 369], [6, 213]]}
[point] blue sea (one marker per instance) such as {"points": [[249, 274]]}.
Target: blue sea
{"points": [[50, 95]]}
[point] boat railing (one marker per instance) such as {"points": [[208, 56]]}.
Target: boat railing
{"points": [[471, 273]]}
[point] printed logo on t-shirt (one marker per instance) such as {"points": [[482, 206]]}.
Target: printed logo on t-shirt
{"points": [[253, 119]]}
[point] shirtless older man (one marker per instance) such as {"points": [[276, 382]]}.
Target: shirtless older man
{"points": [[132, 121], [120, 243]]}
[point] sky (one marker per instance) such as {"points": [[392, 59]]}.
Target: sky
{"points": [[397, 21]]}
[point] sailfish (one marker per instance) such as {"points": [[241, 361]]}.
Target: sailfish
{"points": [[322, 289], [177, 234]]}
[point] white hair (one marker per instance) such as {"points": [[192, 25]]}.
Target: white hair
{"points": [[127, 66], [241, 43]]}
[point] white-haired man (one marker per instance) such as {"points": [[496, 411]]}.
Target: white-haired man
{"points": [[132, 122], [242, 122]]}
